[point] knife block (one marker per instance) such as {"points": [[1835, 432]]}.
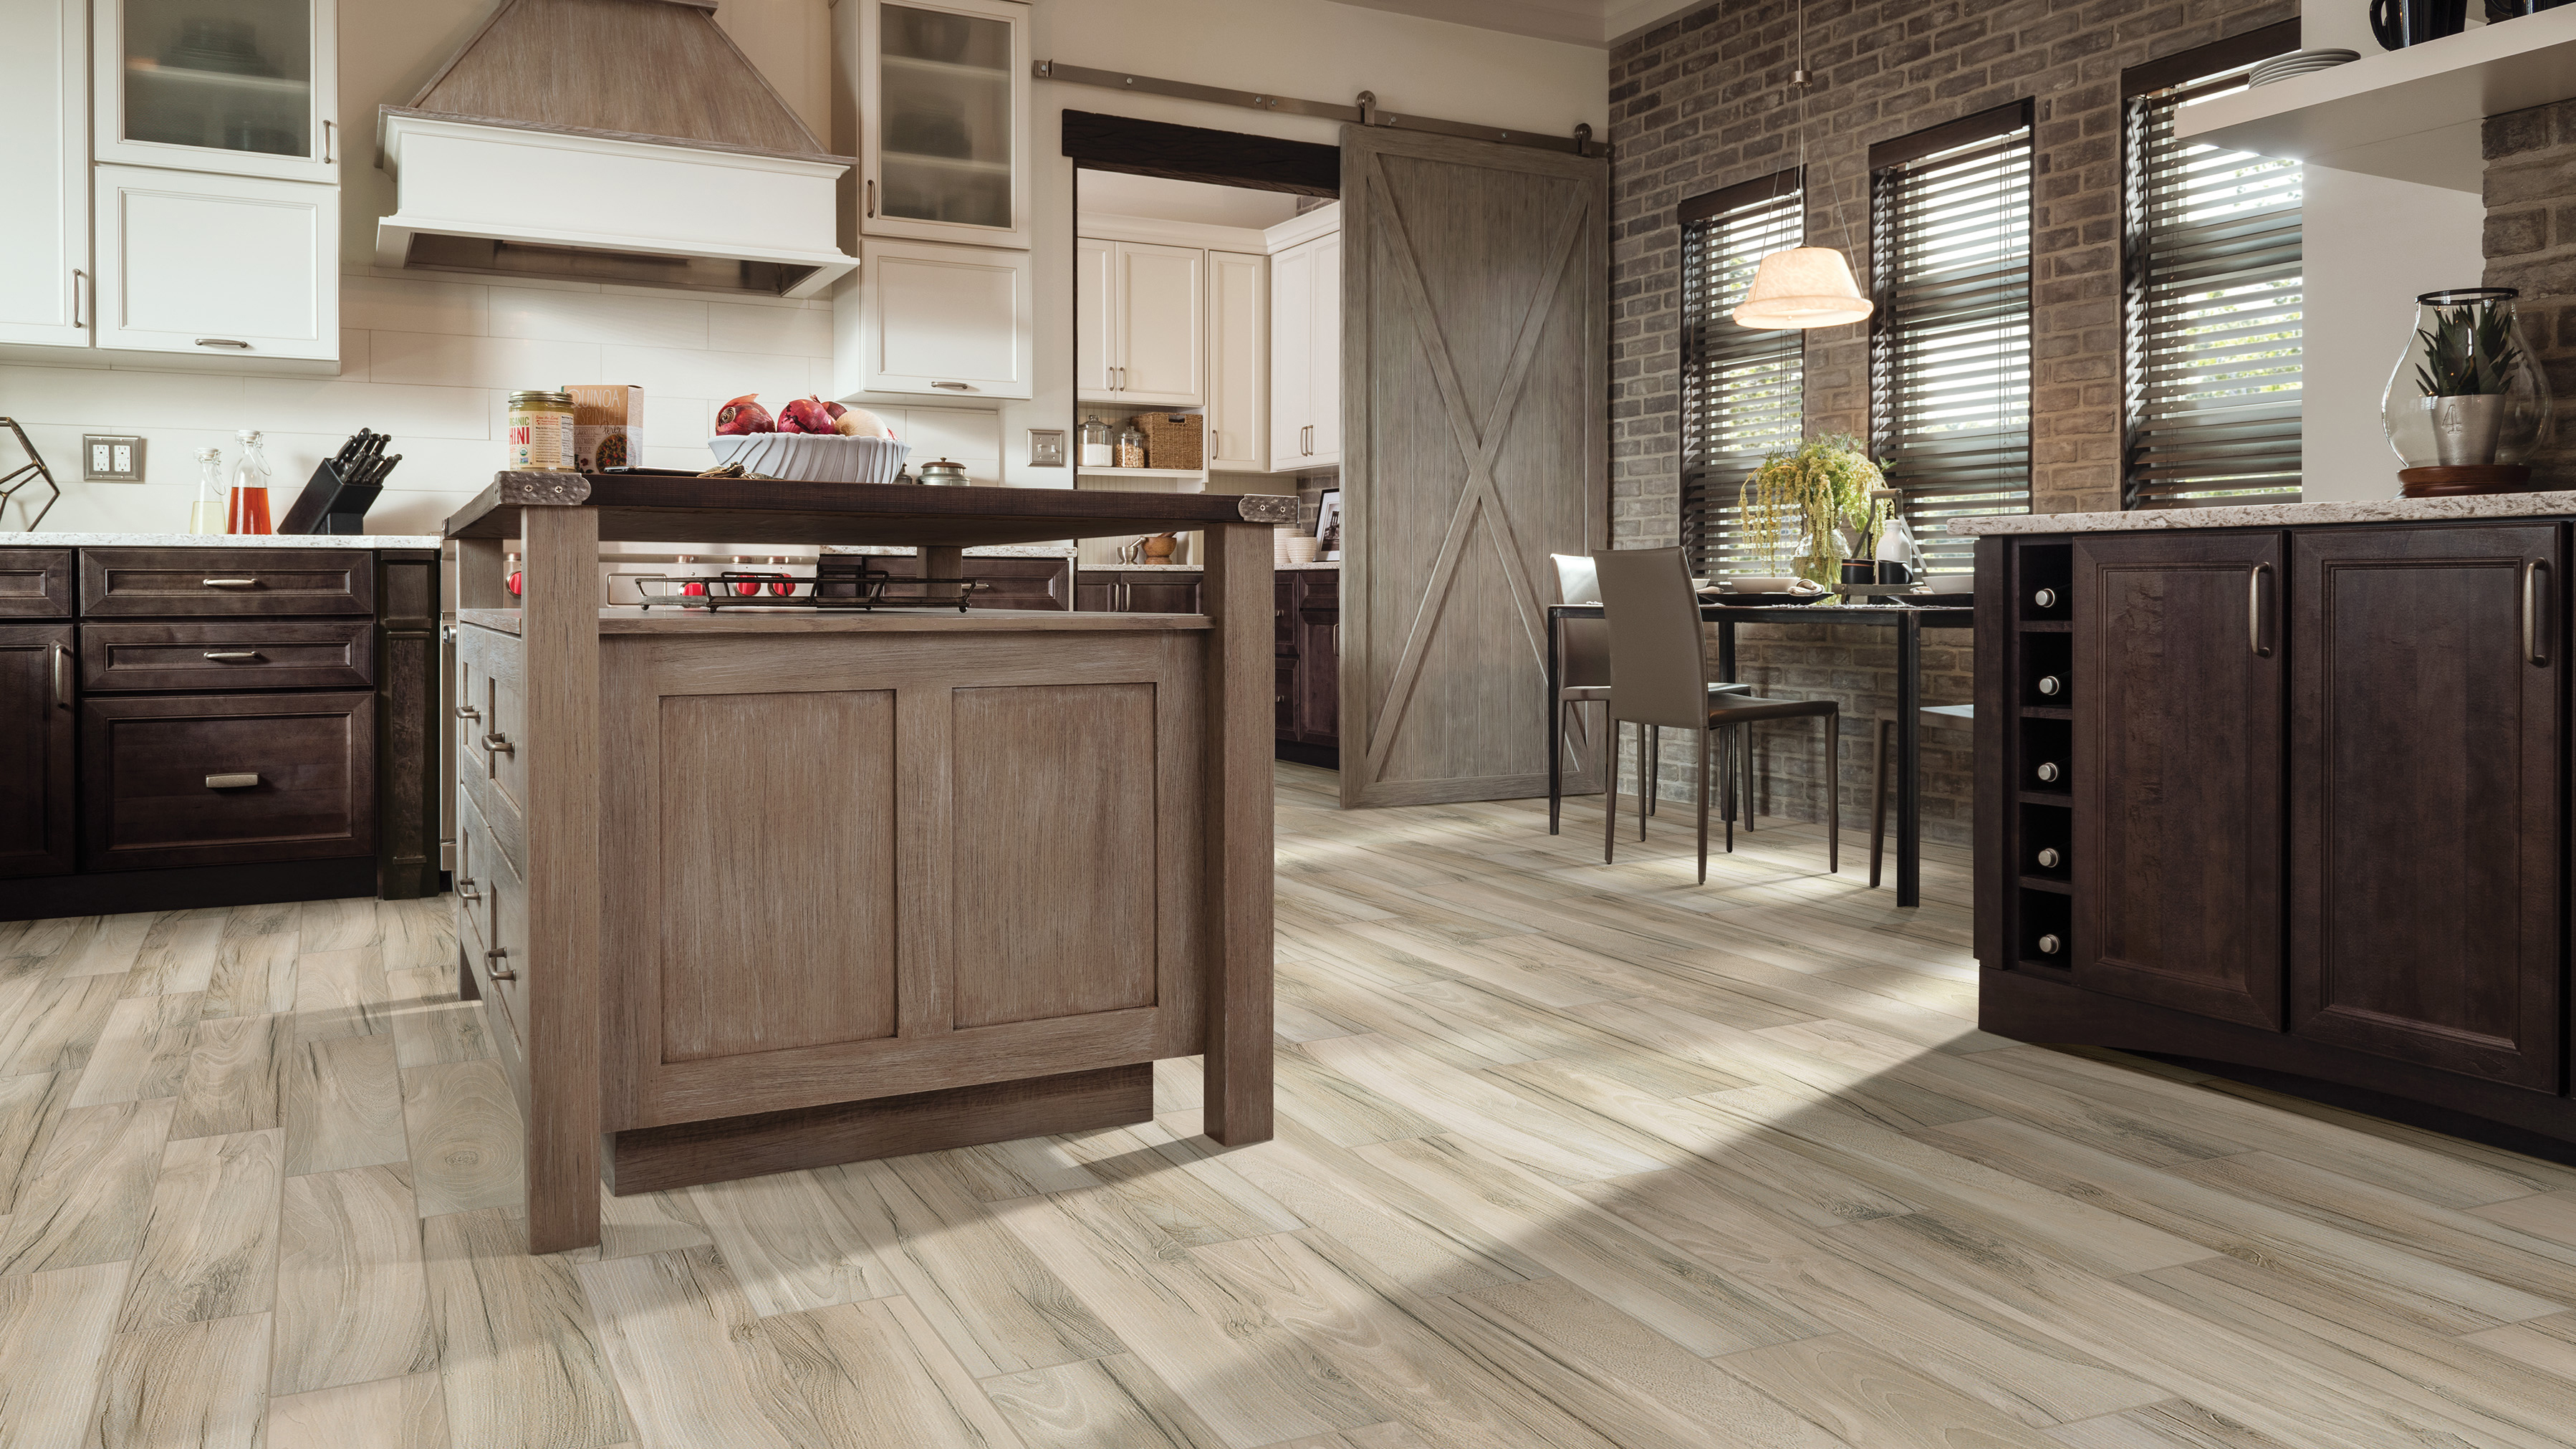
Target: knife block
{"points": [[330, 504]]}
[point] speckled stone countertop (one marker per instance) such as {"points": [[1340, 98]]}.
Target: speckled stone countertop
{"points": [[219, 540], [2279, 515], [1319, 566]]}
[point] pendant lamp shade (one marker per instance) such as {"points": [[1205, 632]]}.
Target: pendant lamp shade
{"points": [[1802, 287]]}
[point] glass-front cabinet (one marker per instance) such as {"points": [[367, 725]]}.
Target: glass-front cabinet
{"points": [[244, 87], [943, 121]]}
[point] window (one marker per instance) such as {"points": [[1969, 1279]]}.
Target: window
{"points": [[1950, 342], [1743, 391], [2215, 287]]}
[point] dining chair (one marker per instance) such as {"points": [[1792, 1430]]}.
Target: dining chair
{"points": [[1960, 715], [1659, 676], [1583, 677]]}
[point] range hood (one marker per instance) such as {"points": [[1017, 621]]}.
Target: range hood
{"points": [[623, 141]]}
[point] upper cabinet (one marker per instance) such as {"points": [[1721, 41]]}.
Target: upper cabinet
{"points": [[44, 173], [217, 266], [1238, 408], [242, 87], [1306, 355], [943, 121], [1140, 323], [930, 321]]}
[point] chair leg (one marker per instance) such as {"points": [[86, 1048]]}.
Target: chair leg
{"points": [[1653, 771], [1726, 746], [1610, 792], [1750, 799], [1555, 764], [1878, 799], [1834, 793], [1703, 806]]}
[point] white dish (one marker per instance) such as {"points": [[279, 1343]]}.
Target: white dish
{"points": [[814, 457], [1763, 586]]}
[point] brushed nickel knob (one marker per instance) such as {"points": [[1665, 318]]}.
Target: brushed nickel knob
{"points": [[2049, 945], [2048, 772], [2044, 598], [2048, 858], [2050, 684]]}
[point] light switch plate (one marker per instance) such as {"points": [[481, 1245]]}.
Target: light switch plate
{"points": [[111, 458], [1046, 447]]}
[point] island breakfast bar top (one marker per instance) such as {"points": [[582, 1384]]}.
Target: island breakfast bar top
{"points": [[653, 508]]}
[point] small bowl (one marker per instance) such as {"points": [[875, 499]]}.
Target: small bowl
{"points": [[814, 457], [1763, 586], [1302, 549]]}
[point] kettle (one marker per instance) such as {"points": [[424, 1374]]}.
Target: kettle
{"points": [[944, 474]]}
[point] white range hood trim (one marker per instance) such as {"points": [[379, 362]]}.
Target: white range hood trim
{"points": [[547, 188]]}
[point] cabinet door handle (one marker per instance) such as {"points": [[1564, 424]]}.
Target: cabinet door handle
{"points": [[78, 277], [330, 155], [62, 677], [231, 782], [223, 342], [493, 958], [467, 711], [2254, 611], [229, 654], [465, 890], [955, 386], [872, 198], [2531, 571], [229, 583], [499, 745]]}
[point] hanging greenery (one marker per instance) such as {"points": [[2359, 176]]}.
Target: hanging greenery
{"points": [[1819, 488], [2469, 352]]}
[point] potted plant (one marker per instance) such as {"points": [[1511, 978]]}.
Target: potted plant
{"points": [[2468, 404], [1818, 490]]}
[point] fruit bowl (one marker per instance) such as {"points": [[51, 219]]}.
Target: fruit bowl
{"points": [[813, 457]]}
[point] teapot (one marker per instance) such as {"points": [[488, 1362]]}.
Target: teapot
{"points": [[944, 474]]}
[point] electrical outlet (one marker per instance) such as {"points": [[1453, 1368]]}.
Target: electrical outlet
{"points": [[111, 458], [1046, 447]]}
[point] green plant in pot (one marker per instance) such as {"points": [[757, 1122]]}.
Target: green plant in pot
{"points": [[1818, 492], [2469, 354]]}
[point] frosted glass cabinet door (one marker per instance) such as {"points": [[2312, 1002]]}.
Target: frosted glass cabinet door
{"points": [[217, 266], [44, 174], [943, 121], [244, 87]]}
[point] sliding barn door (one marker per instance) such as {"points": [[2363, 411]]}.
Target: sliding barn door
{"points": [[1475, 402]]}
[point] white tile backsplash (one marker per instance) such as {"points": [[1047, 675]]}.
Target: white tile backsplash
{"points": [[430, 362]]}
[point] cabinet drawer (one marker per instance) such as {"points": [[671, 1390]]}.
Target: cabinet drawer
{"points": [[35, 583], [250, 654], [264, 582], [490, 719], [227, 779], [492, 921]]}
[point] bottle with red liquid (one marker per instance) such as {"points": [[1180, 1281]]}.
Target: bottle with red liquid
{"points": [[247, 510]]}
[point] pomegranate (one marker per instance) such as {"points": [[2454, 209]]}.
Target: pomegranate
{"points": [[744, 415], [804, 415]]}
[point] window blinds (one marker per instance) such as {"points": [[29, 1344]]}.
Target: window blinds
{"points": [[1950, 344], [2215, 283], [1743, 391]]}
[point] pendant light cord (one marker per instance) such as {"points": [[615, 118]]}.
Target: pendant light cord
{"points": [[1802, 80]]}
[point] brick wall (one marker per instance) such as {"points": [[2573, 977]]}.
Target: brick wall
{"points": [[2531, 244], [1702, 102]]}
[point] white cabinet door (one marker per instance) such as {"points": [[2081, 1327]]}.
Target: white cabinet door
{"points": [[241, 87], [1292, 299], [1324, 356], [942, 322], [1238, 413], [1095, 317], [218, 266], [944, 121], [1161, 308], [44, 174]]}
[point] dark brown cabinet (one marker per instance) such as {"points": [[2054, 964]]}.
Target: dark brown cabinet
{"points": [[262, 582], [36, 779], [1135, 591], [2426, 763], [227, 779], [35, 583], [1308, 627], [2176, 697]]}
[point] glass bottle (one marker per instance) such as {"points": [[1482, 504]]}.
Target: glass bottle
{"points": [[1131, 447], [1099, 447], [206, 515], [2466, 392], [248, 510]]}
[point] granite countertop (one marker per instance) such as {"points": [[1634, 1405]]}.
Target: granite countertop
{"points": [[1319, 566], [219, 540], [2279, 515]]}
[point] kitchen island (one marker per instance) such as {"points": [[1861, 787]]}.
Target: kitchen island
{"points": [[2281, 791], [769, 889]]}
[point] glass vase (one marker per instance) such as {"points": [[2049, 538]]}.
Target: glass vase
{"points": [[2467, 392]]}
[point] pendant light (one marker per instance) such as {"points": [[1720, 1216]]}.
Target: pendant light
{"points": [[1802, 286]]}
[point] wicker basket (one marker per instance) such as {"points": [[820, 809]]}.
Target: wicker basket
{"points": [[1174, 440]]}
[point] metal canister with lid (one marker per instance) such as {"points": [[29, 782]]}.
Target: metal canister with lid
{"points": [[540, 432], [944, 474]]}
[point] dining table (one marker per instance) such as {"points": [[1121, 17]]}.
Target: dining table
{"points": [[1909, 617]]}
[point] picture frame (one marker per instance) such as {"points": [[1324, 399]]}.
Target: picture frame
{"points": [[1328, 524]]}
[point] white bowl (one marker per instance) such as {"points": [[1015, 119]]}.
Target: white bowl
{"points": [[1763, 586], [1303, 549], [814, 457]]}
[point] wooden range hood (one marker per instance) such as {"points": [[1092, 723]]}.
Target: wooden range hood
{"points": [[624, 141]]}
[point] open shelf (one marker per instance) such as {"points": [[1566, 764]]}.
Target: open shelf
{"points": [[2062, 799], [2412, 114], [2047, 626], [2041, 711], [925, 161], [1200, 473], [2043, 883]]}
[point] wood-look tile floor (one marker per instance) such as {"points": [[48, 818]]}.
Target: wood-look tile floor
{"points": [[1569, 1155]]}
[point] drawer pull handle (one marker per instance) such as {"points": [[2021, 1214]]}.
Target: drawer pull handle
{"points": [[229, 583], [231, 782], [953, 386], [492, 960], [232, 654], [62, 677], [499, 745], [465, 890], [223, 342], [467, 711]]}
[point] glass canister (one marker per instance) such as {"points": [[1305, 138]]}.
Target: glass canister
{"points": [[2467, 393], [540, 426], [1099, 446], [206, 515], [1131, 447], [247, 509]]}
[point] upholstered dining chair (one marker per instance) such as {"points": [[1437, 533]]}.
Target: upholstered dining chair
{"points": [[1659, 677], [1583, 677], [1960, 716]]}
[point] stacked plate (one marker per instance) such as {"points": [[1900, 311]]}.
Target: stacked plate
{"points": [[2299, 62]]}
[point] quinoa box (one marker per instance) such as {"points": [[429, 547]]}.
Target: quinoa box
{"points": [[607, 425]]}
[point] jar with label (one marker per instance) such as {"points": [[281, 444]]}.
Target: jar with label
{"points": [[540, 433]]}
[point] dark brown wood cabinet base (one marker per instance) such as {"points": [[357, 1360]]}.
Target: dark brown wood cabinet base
{"points": [[2313, 781], [1309, 634]]}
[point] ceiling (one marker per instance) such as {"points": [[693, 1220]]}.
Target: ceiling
{"points": [[1583, 22]]}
